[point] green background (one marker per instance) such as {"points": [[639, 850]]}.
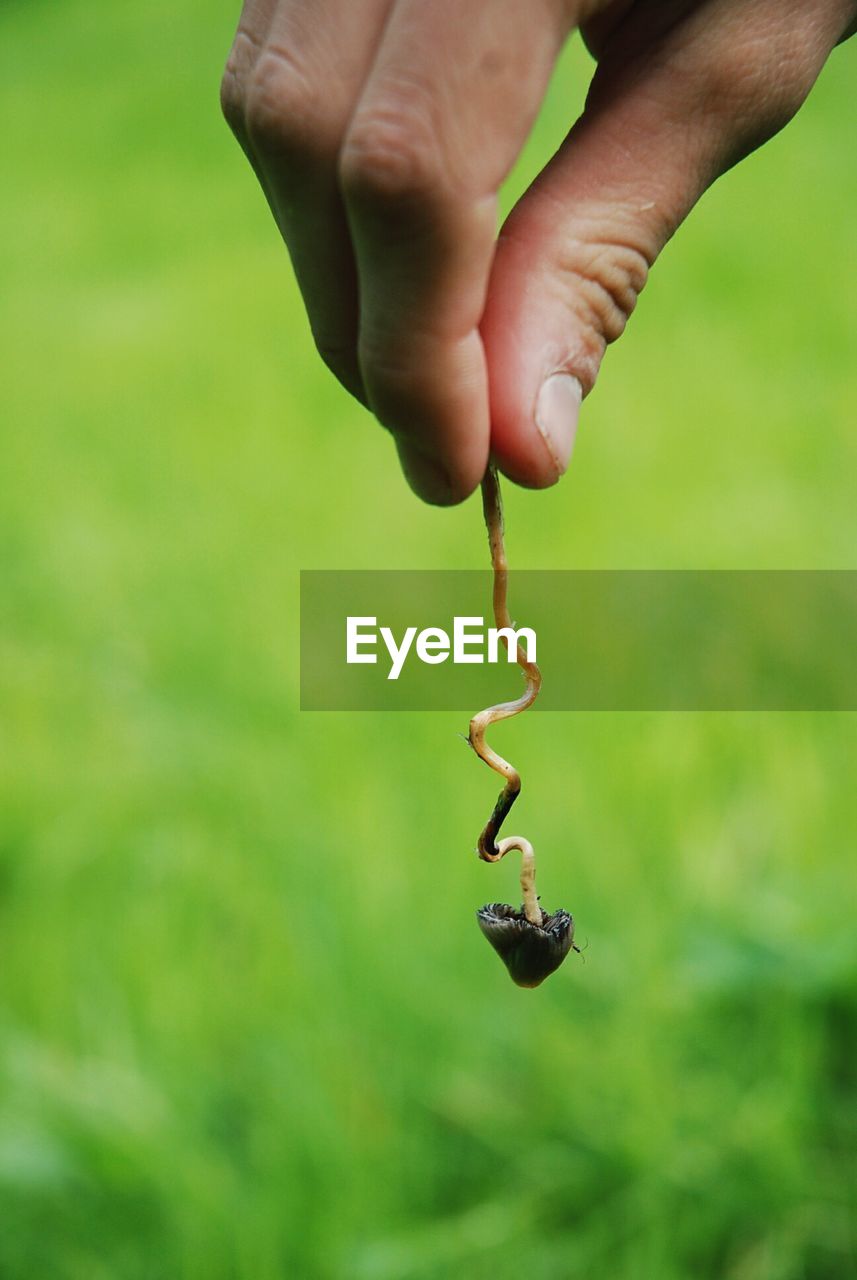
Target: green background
{"points": [[249, 1027]]}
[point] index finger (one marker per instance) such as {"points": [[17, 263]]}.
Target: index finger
{"points": [[448, 105]]}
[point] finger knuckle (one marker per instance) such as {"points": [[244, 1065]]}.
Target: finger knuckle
{"points": [[386, 366], [335, 352], [339, 354], [757, 84], [388, 159], [232, 100], [239, 64], [395, 381], [607, 279], [285, 112], [397, 354]]}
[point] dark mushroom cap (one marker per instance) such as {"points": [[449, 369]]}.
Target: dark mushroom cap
{"points": [[530, 952]]}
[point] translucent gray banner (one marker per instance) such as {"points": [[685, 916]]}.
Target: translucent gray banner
{"points": [[606, 640]]}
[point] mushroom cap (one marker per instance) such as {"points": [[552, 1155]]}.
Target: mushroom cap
{"points": [[530, 952]]}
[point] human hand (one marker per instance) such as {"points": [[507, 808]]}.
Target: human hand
{"points": [[381, 130]]}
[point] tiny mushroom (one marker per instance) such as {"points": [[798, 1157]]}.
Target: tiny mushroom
{"points": [[530, 942]]}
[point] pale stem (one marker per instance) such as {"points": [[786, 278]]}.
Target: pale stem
{"points": [[532, 910], [489, 848]]}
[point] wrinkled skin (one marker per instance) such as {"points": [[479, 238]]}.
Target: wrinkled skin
{"points": [[381, 130]]}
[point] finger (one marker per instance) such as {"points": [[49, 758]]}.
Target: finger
{"points": [[246, 47], [671, 107], [243, 55], [296, 96], [450, 99]]}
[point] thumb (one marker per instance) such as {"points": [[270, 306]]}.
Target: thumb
{"points": [[669, 109]]}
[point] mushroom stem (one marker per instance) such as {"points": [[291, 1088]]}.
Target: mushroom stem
{"points": [[487, 847], [532, 910]]}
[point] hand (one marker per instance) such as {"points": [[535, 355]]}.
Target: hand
{"points": [[381, 130]]}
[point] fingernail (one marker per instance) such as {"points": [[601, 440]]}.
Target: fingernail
{"points": [[427, 478], [557, 411]]}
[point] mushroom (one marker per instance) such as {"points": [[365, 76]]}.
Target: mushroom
{"points": [[531, 943]]}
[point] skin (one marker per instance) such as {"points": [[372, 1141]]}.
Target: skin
{"points": [[380, 132]]}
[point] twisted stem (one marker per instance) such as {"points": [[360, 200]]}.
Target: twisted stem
{"points": [[489, 848]]}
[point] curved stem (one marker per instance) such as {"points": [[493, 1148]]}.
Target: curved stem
{"points": [[532, 910], [488, 848]]}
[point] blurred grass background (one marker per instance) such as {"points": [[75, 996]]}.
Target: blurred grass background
{"points": [[249, 1027]]}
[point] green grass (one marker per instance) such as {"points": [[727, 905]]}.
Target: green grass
{"points": [[249, 1027]]}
